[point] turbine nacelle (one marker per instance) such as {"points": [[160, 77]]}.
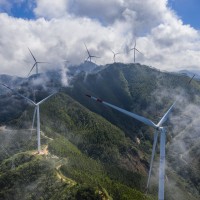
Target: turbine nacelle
{"points": [[159, 128]]}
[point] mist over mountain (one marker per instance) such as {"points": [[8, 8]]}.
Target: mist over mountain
{"points": [[71, 73], [191, 73], [94, 149], [87, 67]]}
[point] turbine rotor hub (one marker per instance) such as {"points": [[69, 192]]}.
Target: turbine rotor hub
{"points": [[159, 128]]}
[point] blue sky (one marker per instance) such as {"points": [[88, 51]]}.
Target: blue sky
{"points": [[23, 10], [188, 11]]}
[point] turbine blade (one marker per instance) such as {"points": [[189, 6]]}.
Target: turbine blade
{"points": [[138, 51], [112, 51], [165, 117], [133, 115], [32, 68], [32, 55], [87, 58], [87, 49], [45, 99], [152, 156], [19, 94]]}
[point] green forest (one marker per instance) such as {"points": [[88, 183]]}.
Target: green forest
{"points": [[92, 151]]}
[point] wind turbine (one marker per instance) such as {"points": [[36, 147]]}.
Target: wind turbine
{"points": [[158, 128], [89, 55], [36, 111], [134, 48], [114, 54], [35, 64]]}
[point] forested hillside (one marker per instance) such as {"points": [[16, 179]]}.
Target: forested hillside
{"points": [[91, 150]]}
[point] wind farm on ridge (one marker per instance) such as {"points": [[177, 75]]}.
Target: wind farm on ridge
{"points": [[158, 127]]}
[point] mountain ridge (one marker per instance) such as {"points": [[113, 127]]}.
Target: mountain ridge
{"points": [[141, 89]]}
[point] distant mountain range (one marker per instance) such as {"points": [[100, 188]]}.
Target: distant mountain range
{"points": [[87, 67], [191, 73]]}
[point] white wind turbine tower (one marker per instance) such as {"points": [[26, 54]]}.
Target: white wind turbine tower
{"points": [[134, 49], [114, 54], [158, 128], [35, 64], [36, 111]]}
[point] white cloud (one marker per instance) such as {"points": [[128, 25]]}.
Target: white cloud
{"points": [[51, 9], [51, 41], [165, 41], [104, 11]]}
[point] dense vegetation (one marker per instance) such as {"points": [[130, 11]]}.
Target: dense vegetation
{"points": [[148, 92], [96, 165], [91, 157], [136, 88]]}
